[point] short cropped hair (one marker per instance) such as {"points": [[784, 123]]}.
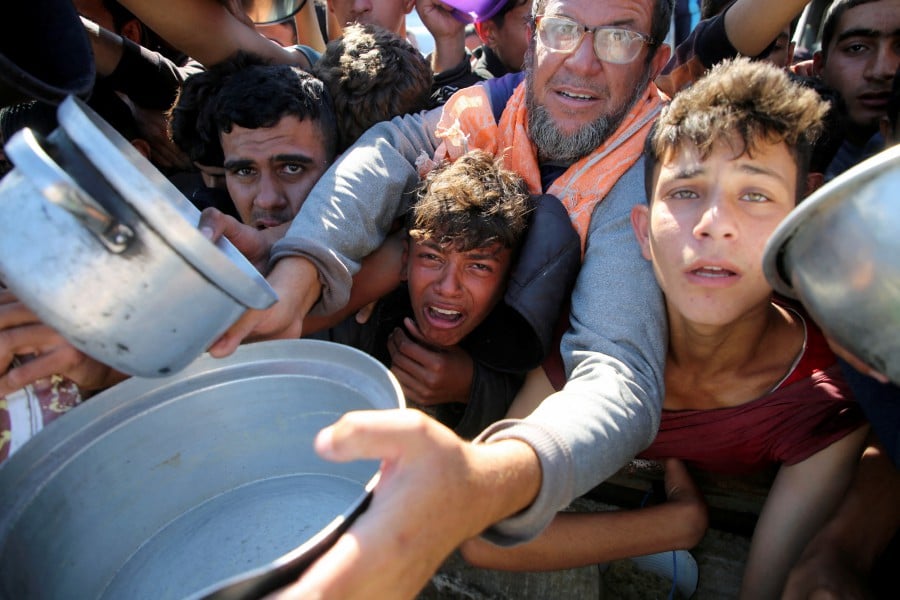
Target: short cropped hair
{"points": [[373, 75], [741, 102], [830, 20], [247, 92], [470, 203]]}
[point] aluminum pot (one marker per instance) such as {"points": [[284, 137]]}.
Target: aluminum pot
{"points": [[838, 252], [166, 487], [106, 250]]}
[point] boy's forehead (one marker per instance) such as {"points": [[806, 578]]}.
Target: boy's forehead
{"points": [[454, 245], [687, 158], [863, 16]]}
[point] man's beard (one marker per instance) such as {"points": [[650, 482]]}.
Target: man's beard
{"points": [[555, 146]]}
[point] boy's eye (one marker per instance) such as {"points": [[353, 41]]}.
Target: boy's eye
{"points": [[755, 197], [243, 171], [292, 168], [683, 194], [855, 48], [482, 267]]}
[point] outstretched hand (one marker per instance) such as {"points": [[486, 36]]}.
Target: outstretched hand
{"points": [[435, 490], [254, 244], [429, 376], [23, 334]]}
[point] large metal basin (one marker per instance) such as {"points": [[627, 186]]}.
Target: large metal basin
{"points": [[160, 488]]}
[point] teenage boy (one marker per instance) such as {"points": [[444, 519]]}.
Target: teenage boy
{"points": [[464, 234], [750, 382]]}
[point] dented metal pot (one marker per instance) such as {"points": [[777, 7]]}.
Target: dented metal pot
{"points": [[106, 250]]}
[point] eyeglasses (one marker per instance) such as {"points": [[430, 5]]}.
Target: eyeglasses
{"points": [[611, 44]]}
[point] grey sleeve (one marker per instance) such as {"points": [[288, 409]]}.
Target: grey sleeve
{"points": [[350, 209], [614, 354]]}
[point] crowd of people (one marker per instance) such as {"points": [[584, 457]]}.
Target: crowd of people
{"points": [[554, 241]]}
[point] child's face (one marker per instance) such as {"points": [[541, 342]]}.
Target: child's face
{"points": [[708, 224], [452, 292]]}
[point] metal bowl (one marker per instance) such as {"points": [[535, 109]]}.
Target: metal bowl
{"points": [[165, 487], [839, 254]]}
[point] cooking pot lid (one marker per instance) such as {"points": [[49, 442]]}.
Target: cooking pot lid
{"points": [[849, 183], [161, 205]]}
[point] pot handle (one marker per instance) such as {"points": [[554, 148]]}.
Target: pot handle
{"points": [[26, 153]]}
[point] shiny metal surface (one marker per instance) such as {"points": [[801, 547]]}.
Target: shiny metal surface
{"points": [[148, 308], [839, 254], [160, 488], [160, 205]]}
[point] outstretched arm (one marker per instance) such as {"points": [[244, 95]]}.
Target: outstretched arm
{"points": [[580, 539], [838, 559], [434, 492], [801, 499], [207, 31]]}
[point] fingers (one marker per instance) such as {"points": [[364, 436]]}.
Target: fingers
{"points": [[237, 333], [387, 435], [30, 372], [213, 224]]}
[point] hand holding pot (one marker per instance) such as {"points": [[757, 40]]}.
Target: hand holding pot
{"points": [[296, 281], [435, 491], [23, 333]]}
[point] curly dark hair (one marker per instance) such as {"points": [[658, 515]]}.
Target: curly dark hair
{"points": [[471, 203], [373, 75], [248, 92]]}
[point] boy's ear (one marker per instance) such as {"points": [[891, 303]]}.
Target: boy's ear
{"points": [[404, 260], [133, 31], [640, 223], [813, 182], [818, 62]]}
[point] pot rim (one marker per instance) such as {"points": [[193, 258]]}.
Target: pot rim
{"points": [[162, 206], [836, 190]]}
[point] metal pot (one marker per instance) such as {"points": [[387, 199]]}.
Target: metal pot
{"points": [[162, 488], [838, 252], [106, 250]]}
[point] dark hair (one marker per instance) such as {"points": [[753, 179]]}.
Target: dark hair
{"points": [[829, 22], [893, 104], [834, 123], [500, 16], [742, 103], [247, 92], [470, 203], [373, 75]]}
